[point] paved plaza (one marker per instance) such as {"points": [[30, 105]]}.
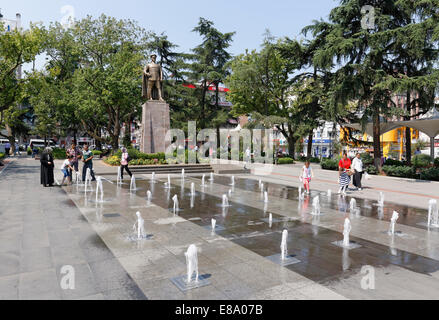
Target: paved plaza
{"points": [[44, 229]]}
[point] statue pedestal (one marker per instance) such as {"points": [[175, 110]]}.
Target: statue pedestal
{"points": [[155, 124]]}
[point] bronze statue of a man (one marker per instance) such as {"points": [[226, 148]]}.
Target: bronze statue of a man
{"points": [[152, 79]]}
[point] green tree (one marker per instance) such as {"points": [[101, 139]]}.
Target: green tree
{"points": [[17, 47], [107, 85], [261, 84], [209, 67]]}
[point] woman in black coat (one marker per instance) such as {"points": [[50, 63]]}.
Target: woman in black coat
{"points": [[47, 168]]}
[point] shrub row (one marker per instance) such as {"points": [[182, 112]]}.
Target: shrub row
{"points": [[285, 161], [136, 154], [143, 162], [329, 164], [2, 155], [400, 171], [115, 161], [312, 159]]}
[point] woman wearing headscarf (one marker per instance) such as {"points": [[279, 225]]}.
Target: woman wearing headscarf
{"points": [[47, 178]]}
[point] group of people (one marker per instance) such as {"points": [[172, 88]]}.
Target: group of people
{"points": [[70, 164], [346, 169], [8, 149]]}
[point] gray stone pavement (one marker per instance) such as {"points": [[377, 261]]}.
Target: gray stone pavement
{"points": [[44, 229], [41, 231]]}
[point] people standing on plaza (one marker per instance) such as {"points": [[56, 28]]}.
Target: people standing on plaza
{"points": [[306, 175], [47, 165], [124, 161], [76, 153], [67, 169], [7, 148], [87, 159], [357, 166], [344, 173]]}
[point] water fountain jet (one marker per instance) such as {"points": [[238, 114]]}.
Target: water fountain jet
{"points": [[393, 220], [140, 224], [133, 183], [99, 188], [316, 206], [433, 214]]}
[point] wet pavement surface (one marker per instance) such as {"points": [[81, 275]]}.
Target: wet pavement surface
{"points": [[409, 216], [69, 226], [246, 226]]}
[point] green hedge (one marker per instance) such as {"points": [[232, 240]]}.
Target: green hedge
{"points": [[329, 164], [312, 159], [400, 171], [436, 162], [430, 174], [285, 161], [2, 155], [367, 159], [391, 162], [421, 161], [371, 170], [136, 154], [143, 162], [97, 152], [59, 154]]}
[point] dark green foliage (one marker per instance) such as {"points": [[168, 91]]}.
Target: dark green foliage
{"points": [[391, 162], [436, 162], [329, 164], [285, 161], [421, 161], [59, 154], [371, 170], [367, 159], [400, 171], [430, 174]]}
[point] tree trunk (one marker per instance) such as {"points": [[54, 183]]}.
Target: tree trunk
{"points": [[309, 149], [203, 102], [292, 146], [97, 141], [75, 133], [11, 138], [408, 145], [408, 135], [376, 140]]}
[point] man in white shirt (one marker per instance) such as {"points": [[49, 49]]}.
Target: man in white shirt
{"points": [[357, 166]]}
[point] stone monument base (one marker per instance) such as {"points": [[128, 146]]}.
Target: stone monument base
{"points": [[155, 124]]}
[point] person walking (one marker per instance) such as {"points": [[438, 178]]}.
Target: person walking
{"points": [[7, 148], [47, 165], [306, 175], [357, 166], [87, 159], [124, 162], [344, 173]]}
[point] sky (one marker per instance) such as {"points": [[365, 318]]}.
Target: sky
{"points": [[249, 19]]}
